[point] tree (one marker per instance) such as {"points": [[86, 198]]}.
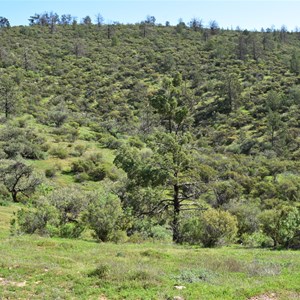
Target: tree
{"points": [[232, 90], [18, 178], [66, 19], [214, 27], [87, 21], [196, 24], [295, 63], [4, 23], [53, 20], [99, 20], [7, 95], [150, 20], [171, 166]]}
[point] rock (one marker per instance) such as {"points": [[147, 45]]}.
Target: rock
{"points": [[179, 287]]}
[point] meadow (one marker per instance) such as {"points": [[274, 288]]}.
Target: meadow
{"points": [[34, 267]]}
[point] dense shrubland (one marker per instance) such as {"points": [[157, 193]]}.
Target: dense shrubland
{"points": [[146, 131]]}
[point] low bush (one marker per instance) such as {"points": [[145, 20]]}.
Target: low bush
{"points": [[59, 151]]}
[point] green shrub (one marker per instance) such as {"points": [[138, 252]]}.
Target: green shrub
{"points": [[81, 177], [281, 224], [161, 233], [194, 275], [50, 172], [256, 239], [57, 214], [218, 227], [102, 216], [71, 230], [59, 152], [97, 173], [100, 272], [110, 142], [191, 230]]}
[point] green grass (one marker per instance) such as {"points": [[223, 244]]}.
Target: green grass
{"points": [[33, 267]]}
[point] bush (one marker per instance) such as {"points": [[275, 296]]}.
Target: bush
{"points": [[161, 233], [57, 214], [59, 152], [102, 216], [281, 224], [110, 142], [81, 177], [256, 239], [218, 227], [191, 230], [50, 173], [71, 230]]}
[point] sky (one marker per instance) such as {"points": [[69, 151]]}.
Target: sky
{"points": [[251, 15]]}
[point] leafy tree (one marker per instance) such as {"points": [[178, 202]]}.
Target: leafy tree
{"points": [[295, 63], [171, 166], [232, 90], [8, 99], [150, 20], [65, 19], [18, 178], [4, 23], [196, 24], [87, 21], [214, 27]]}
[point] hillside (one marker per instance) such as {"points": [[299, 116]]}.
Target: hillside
{"points": [[145, 131]]}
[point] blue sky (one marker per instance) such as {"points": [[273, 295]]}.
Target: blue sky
{"points": [[246, 14]]}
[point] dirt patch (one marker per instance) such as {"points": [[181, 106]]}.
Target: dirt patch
{"points": [[4, 281], [271, 296]]}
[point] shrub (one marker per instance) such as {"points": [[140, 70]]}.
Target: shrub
{"points": [[50, 173], [110, 142], [281, 224], [56, 214], [218, 227], [190, 231], [102, 216], [81, 177], [101, 272], [256, 239], [59, 152], [71, 230]]}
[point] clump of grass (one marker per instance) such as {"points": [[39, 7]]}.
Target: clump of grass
{"points": [[256, 268], [102, 271], [153, 254], [194, 275], [140, 275]]}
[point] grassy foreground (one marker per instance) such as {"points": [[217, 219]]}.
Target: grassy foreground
{"points": [[33, 267]]}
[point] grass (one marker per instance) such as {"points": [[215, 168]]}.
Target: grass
{"points": [[33, 267]]}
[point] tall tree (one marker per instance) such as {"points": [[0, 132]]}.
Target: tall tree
{"points": [[172, 166], [7, 95]]}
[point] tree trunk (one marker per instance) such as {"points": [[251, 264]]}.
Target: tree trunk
{"points": [[14, 196], [176, 212]]}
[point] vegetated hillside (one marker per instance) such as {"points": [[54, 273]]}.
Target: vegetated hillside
{"points": [[149, 131]]}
